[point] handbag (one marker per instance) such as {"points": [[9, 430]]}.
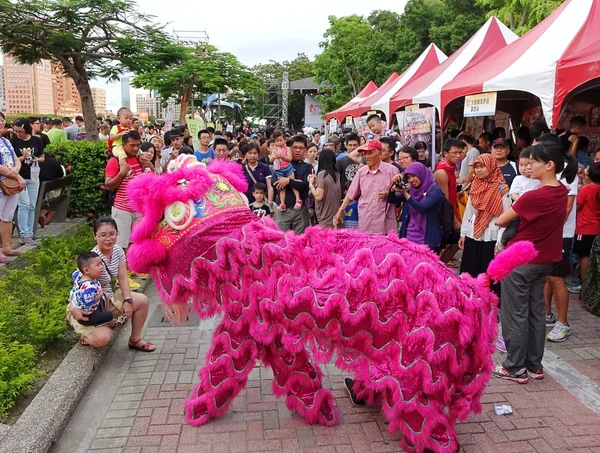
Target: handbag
{"points": [[10, 186]]}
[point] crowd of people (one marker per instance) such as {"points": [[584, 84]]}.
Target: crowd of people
{"points": [[484, 194]]}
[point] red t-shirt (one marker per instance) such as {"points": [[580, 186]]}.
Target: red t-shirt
{"points": [[543, 213], [588, 210], [112, 170]]}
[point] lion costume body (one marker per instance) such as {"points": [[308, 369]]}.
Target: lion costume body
{"points": [[413, 334]]}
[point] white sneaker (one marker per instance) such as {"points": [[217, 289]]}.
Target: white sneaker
{"points": [[559, 333]]}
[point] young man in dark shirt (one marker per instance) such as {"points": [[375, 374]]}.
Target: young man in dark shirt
{"points": [[294, 219]]}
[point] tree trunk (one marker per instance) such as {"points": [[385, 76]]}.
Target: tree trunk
{"points": [[218, 109], [76, 70], [89, 112], [185, 99]]}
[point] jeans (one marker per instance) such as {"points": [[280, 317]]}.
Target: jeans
{"points": [[27, 201]]}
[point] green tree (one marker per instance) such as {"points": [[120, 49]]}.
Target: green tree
{"points": [[89, 38], [520, 15], [300, 67], [203, 70], [358, 49]]}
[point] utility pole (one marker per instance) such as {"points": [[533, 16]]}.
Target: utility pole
{"points": [[285, 87]]}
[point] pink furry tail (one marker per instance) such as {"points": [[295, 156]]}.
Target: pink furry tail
{"points": [[518, 254]]}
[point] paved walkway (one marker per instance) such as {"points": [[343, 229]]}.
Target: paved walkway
{"points": [[136, 405]]}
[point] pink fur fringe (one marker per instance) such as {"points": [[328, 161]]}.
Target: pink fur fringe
{"points": [[410, 331]]}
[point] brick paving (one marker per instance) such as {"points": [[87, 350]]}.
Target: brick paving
{"points": [[146, 414]]}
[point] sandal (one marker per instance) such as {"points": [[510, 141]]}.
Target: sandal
{"points": [[12, 253], [146, 347], [4, 260], [298, 204]]}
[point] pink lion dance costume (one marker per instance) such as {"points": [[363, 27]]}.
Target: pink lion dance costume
{"points": [[413, 334]]}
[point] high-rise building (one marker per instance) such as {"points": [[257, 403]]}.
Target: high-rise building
{"points": [[99, 96], [172, 110], [28, 88], [2, 103], [125, 93], [67, 101], [147, 104]]}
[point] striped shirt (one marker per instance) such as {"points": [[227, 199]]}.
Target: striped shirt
{"points": [[112, 170], [111, 268]]}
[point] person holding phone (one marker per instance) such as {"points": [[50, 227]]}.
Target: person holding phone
{"points": [[30, 151]]}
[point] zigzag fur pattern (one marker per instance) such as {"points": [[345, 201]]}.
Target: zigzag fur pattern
{"points": [[398, 319], [414, 335]]}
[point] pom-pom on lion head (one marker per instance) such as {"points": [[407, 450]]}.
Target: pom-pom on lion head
{"points": [[182, 205]]}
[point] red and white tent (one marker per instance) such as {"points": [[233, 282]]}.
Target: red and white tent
{"points": [[490, 38], [340, 114], [557, 56], [431, 58], [365, 105]]}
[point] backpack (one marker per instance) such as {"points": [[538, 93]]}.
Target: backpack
{"points": [[108, 198], [445, 215]]}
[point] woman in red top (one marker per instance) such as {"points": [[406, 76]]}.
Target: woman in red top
{"points": [[588, 218], [542, 213]]}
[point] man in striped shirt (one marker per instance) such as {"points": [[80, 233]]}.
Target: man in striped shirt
{"points": [[118, 174]]}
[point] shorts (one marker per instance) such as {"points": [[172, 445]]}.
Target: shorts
{"points": [[83, 331], [125, 220], [561, 268], [583, 244], [119, 152], [283, 172]]}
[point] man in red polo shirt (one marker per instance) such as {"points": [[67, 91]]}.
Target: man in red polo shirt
{"points": [[118, 175]]}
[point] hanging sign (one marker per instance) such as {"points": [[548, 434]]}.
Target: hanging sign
{"points": [[483, 104], [348, 122]]}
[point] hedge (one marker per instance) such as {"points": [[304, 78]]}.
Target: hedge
{"points": [[33, 303], [86, 162]]}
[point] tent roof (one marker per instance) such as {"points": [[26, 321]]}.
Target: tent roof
{"points": [[365, 104], [490, 38], [431, 57], [550, 61], [339, 114]]}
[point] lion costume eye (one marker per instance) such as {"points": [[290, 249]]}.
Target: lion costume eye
{"points": [[179, 214]]}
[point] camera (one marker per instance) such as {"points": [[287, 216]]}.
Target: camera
{"points": [[400, 185]]}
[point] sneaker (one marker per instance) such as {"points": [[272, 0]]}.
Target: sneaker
{"points": [[520, 377], [28, 240], [559, 333], [550, 320], [574, 288], [349, 383], [538, 375], [500, 345]]}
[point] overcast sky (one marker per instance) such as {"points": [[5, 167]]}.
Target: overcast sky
{"points": [[255, 32]]}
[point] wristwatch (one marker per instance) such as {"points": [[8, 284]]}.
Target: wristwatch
{"points": [[129, 299]]}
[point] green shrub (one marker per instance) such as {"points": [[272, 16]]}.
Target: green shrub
{"points": [[86, 162], [33, 303], [17, 372]]}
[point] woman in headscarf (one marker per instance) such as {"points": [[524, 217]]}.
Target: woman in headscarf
{"points": [[420, 221], [488, 199]]}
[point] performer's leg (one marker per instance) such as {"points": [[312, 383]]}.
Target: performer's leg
{"points": [[229, 361], [297, 378]]}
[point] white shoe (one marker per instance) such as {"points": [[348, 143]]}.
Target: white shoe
{"points": [[559, 333]]}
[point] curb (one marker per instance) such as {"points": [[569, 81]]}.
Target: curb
{"points": [[46, 417]]}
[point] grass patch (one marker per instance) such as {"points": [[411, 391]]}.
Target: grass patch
{"points": [[33, 301]]}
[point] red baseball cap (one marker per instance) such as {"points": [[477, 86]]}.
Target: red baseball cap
{"points": [[373, 144]]}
